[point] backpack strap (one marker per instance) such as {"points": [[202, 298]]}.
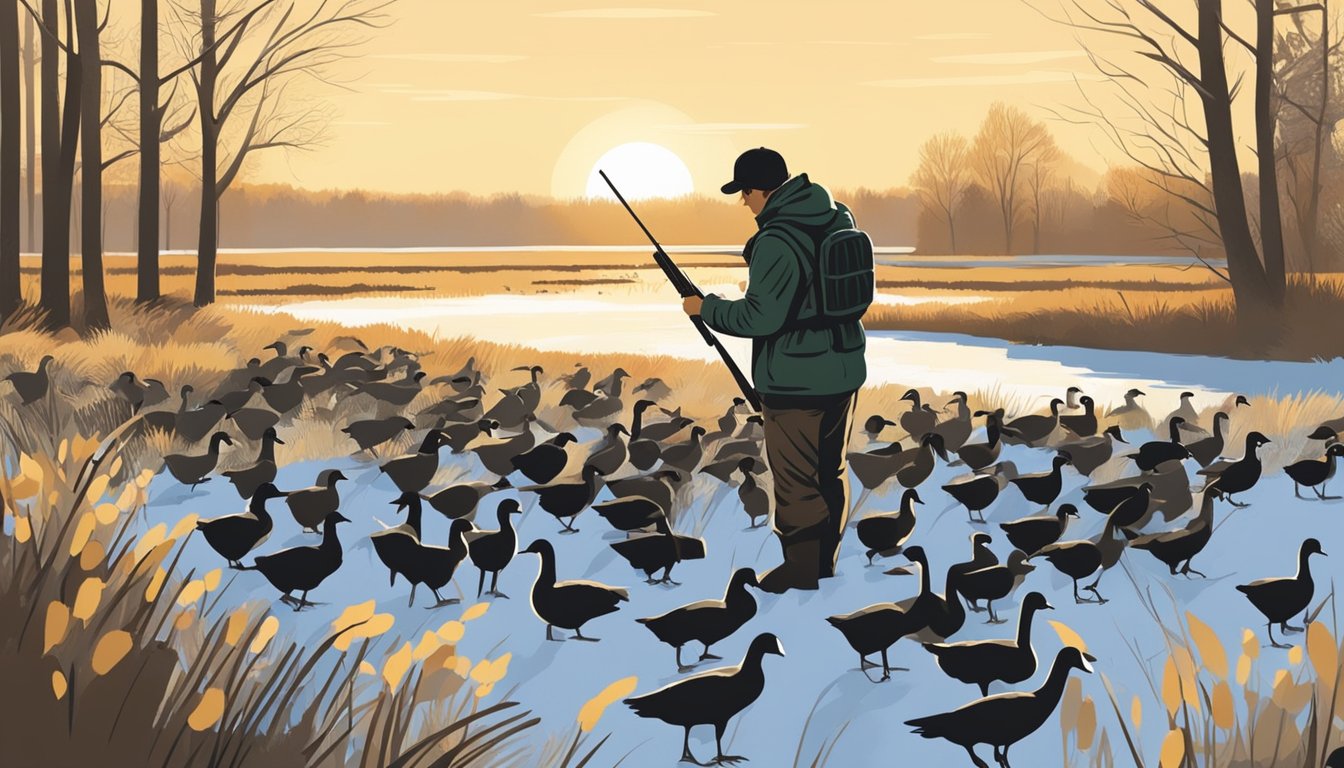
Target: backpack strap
{"points": [[801, 238]]}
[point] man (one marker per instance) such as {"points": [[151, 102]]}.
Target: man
{"points": [[807, 373]]}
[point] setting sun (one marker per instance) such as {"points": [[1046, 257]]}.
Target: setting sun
{"points": [[640, 170]]}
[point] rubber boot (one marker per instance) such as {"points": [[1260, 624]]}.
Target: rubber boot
{"points": [[799, 569], [829, 551]]}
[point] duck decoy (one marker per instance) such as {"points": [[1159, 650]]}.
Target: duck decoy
{"points": [[981, 557], [468, 375], [302, 569], [492, 551], [578, 379], [980, 455], [1043, 487], [233, 536], [460, 499], [1189, 429], [1081, 558], [1089, 453], [727, 423], [496, 453], [1084, 424], [1180, 546], [1241, 475], [248, 479], [755, 500], [395, 546], [981, 662], [575, 399], [978, 490], [1003, 719], [875, 468], [371, 433], [610, 454], [1314, 472], [544, 462], [629, 513], [956, 430], [566, 499], [653, 388], [706, 621], [310, 506], [686, 456], [285, 396], [435, 566], [1282, 598], [873, 426], [1155, 452], [611, 385], [662, 431], [1131, 415], [886, 533], [1032, 429], [659, 487], [1031, 534], [165, 420], [1208, 449], [659, 551], [922, 462], [1134, 510], [32, 386], [1326, 433], [195, 424], [711, 697], [569, 604], [194, 469], [643, 451], [411, 472], [919, 420], [517, 403], [995, 582]]}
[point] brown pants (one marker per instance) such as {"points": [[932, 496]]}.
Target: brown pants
{"points": [[806, 449]]}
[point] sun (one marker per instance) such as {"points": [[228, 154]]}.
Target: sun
{"points": [[640, 169]]}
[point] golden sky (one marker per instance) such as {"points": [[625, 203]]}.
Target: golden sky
{"points": [[496, 96]]}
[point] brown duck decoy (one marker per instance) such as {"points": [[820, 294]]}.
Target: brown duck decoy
{"points": [[1084, 424], [412, 472], [310, 506], [32, 386], [371, 433], [565, 499], [1033, 429], [248, 479], [1089, 453], [1241, 475], [977, 456], [1081, 558], [956, 430], [1181, 545], [707, 621], [919, 420], [194, 469]]}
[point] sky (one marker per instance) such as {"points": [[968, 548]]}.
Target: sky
{"points": [[525, 96]]}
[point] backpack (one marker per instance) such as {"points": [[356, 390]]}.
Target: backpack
{"points": [[841, 274]]}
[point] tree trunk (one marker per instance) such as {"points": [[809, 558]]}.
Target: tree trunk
{"points": [[207, 248], [30, 123], [1310, 226], [91, 154], [168, 227], [55, 280], [951, 231], [10, 147], [151, 118], [1271, 216]]}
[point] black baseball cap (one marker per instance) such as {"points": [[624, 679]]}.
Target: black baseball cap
{"points": [[758, 168]]}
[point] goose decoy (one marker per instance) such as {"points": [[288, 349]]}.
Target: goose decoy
{"points": [[395, 546], [195, 424], [237, 399], [995, 582], [747, 442], [875, 467], [1180, 546], [411, 472], [659, 487], [1241, 475], [728, 421], [919, 420], [611, 385], [1043, 487], [922, 462], [1325, 432], [712, 698], [1134, 510], [1155, 452], [1084, 424], [569, 604], [285, 396], [1003, 719], [956, 430], [464, 377], [707, 621], [873, 426], [253, 422], [1208, 449], [575, 399], [1131, 415], [1282, 598], [496, 454], [653, 388], [435, 566], [1314, 472], [1071, 401], [517, 403], [978, 490], [980, 455], [1081, 558], [165, 420], [662, 431], [456, 410], [1031, 534], [578, 379], [1089, 453], [686, 456], [460, 500], [492, 551], [610, 454], [371, 433], [310, 506], [1190, 429], [981, 662], [32, 386], [886, 533], [981, 557], [643, 451], [233, 536], [725, 470], [659, 551], [629, 513], [1336, 758], [565, 500], [129, 389], [194, 469], [1033, 429], [302, 569], [946, 614], [248, 479], [544, 462], [755, 500]]}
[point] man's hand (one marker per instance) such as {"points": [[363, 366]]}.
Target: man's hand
{"points": [[691, 304]]}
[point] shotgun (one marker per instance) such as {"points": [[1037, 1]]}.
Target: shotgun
{"points": [[685, 287]]}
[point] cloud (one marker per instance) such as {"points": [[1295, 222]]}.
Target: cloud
{"points": [[955, 36], [468, 95], [1010, 57], [884, 43], [626, 13], [361, 122], [454, 58], [1022, 78], [734, 127]]}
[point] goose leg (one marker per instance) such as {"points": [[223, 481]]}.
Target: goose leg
{"points": [[578, 635], [410, 603], [494, 586], [1320, 494], [864, 663], [568, 527], [722, 759], [1296, 492], [1093, 588], [1076, 597], [550, 636], [998, 756], [707, 656], [686, 756], [871, 554], [667, 577], [442, 602], [993, 619], [886, 667], [970, 603], [287, 599], [1286, 627], [976, 758], [1237, 504], [1006, 764], [682, 667], [480, 584], [1270, 629]]}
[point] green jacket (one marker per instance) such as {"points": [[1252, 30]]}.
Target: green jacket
{"points": [[787, 359]]}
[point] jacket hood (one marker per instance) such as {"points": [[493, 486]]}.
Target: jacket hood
{"points": [[799, 201]]}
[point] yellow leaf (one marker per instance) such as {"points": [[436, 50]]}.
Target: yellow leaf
{"points": [[152, 538], [62, 452], [83, 530], [184, 526], [29, 480], [365, 668], [1171, 687], [23, 529], [1210, 649], [88, 597], [96, 488], [428, 644], [184, 620], [110, 650], [380, 623], [107, 513], [1223, 714], [127, 499], [114, 467], [452, 631], [212, 580], [1067, 636], [1185, 665], [1295, 655], [1136, 712], [92, 555], [1323, 653], [491, 672], [264, 634], [191, 592], [1087, 724], [475, 612], [592, 711], [143, 479], [1173, 750], [461, 666], [353, 615], [58, 684], [237, 625], [484, 690], [396, 665], [1290, 696], [58, 621], [155, 584], [1068, 710], [1250, 644], [208, 710]]}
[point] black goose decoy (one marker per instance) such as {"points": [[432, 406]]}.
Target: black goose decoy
{"points": [[1283, 598], [459, 436], [285, 396], [253, 422], [728, 421], [371, 433], [747, 442], [662, 431], [577, 398], [435, 566], [1314, 472], [1089, 453], [755, 499], [875, 467], [1208, 449], [236, 399], [32, 386], [981, 662], [873, 426], [394, 546], [725, 470], [956, 430], [659, 487], [1003, 719], [233, 536], [1180, 546], [195, 424], [492, 551], [1155, 452], [918, 421], [659, 551], [1133, 511], [643, 451], [546, 461], [566, 499], [399, 393], [496, 454], [604, 407], [978, 490], [686, 456], [1084, 424], [946, 613], [653, 388], [456, 410], [1031, 534], [569, 604], [921, 465], [981, 557], [411, 472], [195, 469], [629, 513], [611, 385], [302, 569], [610, 454], [248, 479], [980, 455], [459, 500], [1033, 429], [1081, 558], [706, 621], [995, 582], [886, 533], [1241, 475], [1043, 487], [711, 697], [579, 379], [165, 420], [310, 506]]}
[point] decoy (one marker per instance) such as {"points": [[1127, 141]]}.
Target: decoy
{"points": [[1003, 719], [1084, 424], [194, 470], [662, 431], [755, 500], [727, 423], [1133, 511], [303, 568], [395, 546], [459, 436], [411, 472], [1131, 415], [956, 430], [921, 463], [577, 398], [1031, 534], [195, 424], [659, 487], [468, 374], [629, 513], [1081, 558], [492, 551], [1241, 475], [565, 500], [886, 533], [578, 379], [167, 421], [980, 455], [569, 604], [456, 410], [1155, 452], [285, 396], [725, 470], [611, 385], [129, 389], [1208, 449], [1043, 487], [1282, 598], [707, 621], [233, 536], [518, 402], [1314, 472], [643, 451], [310, 506], [603, 408], [32, 386], [875, 467], [653, 388], [1071, 401], [546, 461], [995, 582], [237, 399], [253, 422], [946, 614], [1032, 429], [981, 662], [398, 393], [977, 491], [1089, 453], [610, 454], [460, 499], [435, 566], [712, 698], [873, 426], [918, 421], [496, 454], [659, 551], [371, 433], [981, 557], [746, 442], [1180, 546], [248, 479], [686, 456], [1189, 417]]}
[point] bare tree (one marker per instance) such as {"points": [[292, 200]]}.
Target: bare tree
{"points": [[1040, 173], [91, 155], [60, 132], [9, 159], [169, 194], [1008, 141], [943, 176], [30, 124]]}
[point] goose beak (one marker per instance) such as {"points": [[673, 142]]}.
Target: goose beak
{"points": [[1088, 661], [1049, 607], [278, 441], [779, 646]]}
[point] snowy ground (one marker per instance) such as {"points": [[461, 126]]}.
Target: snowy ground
{"points": [[556, 678]]}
